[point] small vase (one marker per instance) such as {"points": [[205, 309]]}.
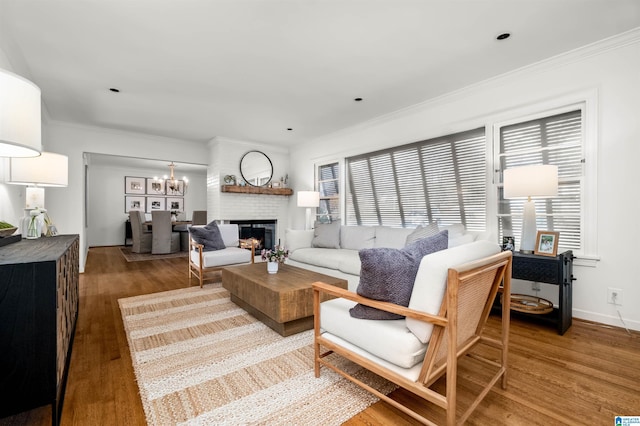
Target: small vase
{"points": [[272, 267], [24, 222], [34, 228]]}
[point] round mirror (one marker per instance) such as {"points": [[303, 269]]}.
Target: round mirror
{"points": [[256, 168]]}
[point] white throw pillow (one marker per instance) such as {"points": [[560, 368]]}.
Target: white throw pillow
{"points": [[422, 232], [326, 235], [296, 239], [389, 237], [431, 279], [357, 237], [456, 230]]}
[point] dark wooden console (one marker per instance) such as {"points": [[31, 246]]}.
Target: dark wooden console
{"points": [[39, 299], [556, 270]]}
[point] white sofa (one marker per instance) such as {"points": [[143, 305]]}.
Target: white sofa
{"points": [[343, 261]]}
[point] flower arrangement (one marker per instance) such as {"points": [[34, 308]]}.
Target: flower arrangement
{"points": [[278, 254]]}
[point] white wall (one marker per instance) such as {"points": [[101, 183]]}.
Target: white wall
{"points": [[106, 215], [67, 206], [612, 70], [224, 159]]}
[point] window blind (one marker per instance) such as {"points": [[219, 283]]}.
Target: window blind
{"points": [[555, 140], [441, 180], [328, 184]]}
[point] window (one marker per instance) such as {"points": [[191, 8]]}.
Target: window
{"points": [[442, 180], [328, 184], [555, 140]]}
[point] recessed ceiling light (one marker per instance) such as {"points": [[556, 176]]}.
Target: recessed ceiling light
{"points": [[289, 128], [114, 90], [503, 36], [357, 99]]}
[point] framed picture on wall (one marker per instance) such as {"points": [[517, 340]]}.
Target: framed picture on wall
{"points": [[179, 190], [133, 203], [547, 243], [155, 203], [134, 185], [175, 204], [155, 187]]}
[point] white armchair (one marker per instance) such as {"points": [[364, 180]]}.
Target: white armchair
{"points": [[202, 262], [452, 296]]}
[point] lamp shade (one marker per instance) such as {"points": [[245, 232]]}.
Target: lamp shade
{"points": [[531, 181], [20, 125], [308, 199], [49, 169]]}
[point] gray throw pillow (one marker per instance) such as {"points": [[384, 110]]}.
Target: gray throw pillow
{"points": [[388, 274], [209, 236], [326, 235]]}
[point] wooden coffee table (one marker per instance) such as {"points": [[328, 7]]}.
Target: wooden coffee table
{"points": [[283, 301]]}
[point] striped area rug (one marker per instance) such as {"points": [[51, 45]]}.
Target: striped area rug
{"points": [[201, 360]]}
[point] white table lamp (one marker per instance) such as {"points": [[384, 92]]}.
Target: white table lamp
{"points": [[20, 119], [49, 169], [526, 182], [308, 199]]}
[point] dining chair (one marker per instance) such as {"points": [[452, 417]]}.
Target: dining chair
{"points": [[140, 236], [199, 217], [164, 240]]}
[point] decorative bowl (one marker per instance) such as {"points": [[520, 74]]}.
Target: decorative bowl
{"points": [[7, 232]]}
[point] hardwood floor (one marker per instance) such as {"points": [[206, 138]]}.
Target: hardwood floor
{"points": [[587, 376]]}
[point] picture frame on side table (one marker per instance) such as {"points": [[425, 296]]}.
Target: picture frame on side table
{"points": [[134, 203], [547, 243], [134, 185], [155, 203], [508, 243]]}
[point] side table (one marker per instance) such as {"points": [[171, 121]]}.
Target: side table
{"points": [[556, 270], [39, 302]]}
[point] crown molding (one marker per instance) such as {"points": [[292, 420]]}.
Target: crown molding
{"points": [[249, 144]]}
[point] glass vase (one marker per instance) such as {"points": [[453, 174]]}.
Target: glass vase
{"points": [[34, 228], [24, 222]]}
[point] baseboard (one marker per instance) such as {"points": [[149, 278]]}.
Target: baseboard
{"points": [[612, 320]]}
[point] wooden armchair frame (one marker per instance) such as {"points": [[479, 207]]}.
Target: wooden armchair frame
{"points": [[455, 333], [202, 273]]}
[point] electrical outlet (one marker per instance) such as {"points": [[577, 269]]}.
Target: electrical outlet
{"points": [[535, 286], [614, 296]]}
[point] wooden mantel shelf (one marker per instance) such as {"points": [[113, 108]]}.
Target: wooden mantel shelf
{"points": [[256, 190]]}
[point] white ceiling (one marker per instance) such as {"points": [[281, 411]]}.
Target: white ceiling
{"points": [[250, 69]]}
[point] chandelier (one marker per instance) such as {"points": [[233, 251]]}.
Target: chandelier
{"points": [[173, 186]]}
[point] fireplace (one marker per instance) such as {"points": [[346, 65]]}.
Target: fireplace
{"points": [[263, 230]]}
